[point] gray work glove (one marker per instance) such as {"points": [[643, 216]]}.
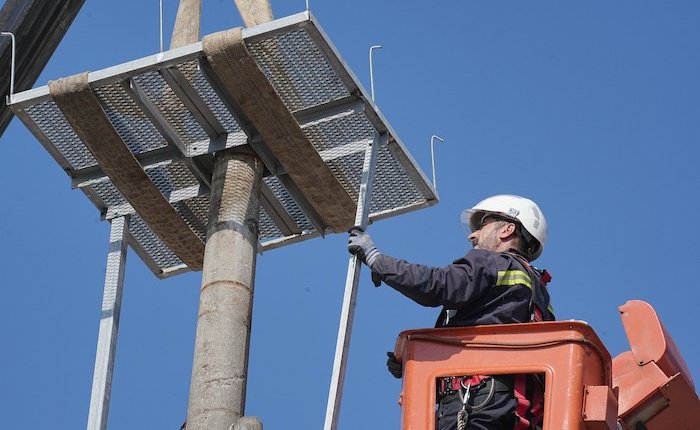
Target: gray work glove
{"points": [[360, 243], [395, 367]]}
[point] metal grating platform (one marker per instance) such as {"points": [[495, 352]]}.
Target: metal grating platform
{"points": [[171, 113]]}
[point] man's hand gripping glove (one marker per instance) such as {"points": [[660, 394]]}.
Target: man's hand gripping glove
{"points": [[360, 243]]}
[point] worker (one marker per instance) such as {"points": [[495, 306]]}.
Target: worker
{"points": [[494, 283]]}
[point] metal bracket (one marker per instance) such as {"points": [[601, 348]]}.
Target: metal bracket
{"points": [[371, 69], [433, 138]]}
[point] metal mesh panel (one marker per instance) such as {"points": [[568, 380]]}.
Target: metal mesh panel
{"points": [[195, 212], [179, 118], [205, 91], [133, 127], [339, 131], [348, 170], [168, 178], [293, 57], [267, 228], [386, 195], [298, 70], [108, 193], [151, 244], [288, 203], [49, 119], [171, 176]]}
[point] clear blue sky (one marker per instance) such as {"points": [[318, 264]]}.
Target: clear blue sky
{"points": [[590, 108]]}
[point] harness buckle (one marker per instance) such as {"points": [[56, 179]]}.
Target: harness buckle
{"points": [[448, 385]]}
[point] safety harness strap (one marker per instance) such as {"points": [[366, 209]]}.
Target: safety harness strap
{"points": [[523, 408], [527, 389]]}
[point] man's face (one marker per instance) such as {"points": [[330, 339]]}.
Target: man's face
{"points": [[487, 236]]}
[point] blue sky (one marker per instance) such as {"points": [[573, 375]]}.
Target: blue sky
{"points": [[590, 108]]}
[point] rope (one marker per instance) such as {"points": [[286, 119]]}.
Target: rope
{"points": [[482, 405], [463, 415]]}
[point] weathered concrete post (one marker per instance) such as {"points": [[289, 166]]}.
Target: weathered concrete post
{"points": [[187, 23], [220, 364], [254, 12], [219, 370]]}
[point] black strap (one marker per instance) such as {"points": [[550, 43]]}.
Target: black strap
{"points": [[503, 384], [540, 295]]}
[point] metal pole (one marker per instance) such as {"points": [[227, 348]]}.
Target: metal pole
{"points": [[364, 200], [220, 365], [109, 325], [432, 156], [371, 69], [12, 65], [161, 25]]}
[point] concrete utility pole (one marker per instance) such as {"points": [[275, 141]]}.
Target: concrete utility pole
{"points": [[219, 369], [254, 12], [220, 364], [187, 23]]}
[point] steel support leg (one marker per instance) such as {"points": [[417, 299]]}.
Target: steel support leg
{"points": [[220, 365], [342, 347], [109, 325]]}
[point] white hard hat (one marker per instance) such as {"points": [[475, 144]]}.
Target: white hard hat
{"points": [[516, 208]]}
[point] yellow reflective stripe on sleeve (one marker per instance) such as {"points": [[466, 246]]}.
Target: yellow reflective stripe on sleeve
{"points": [[513, 277]]}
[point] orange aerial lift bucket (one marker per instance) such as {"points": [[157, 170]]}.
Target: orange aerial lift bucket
{"points": [[576, 365], [649, 387], [655, 385]]}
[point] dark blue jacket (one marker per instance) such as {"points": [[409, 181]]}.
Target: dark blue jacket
{"points": [[483, 287]]}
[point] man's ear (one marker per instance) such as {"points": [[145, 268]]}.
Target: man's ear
{"points": [[507, 231]]}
